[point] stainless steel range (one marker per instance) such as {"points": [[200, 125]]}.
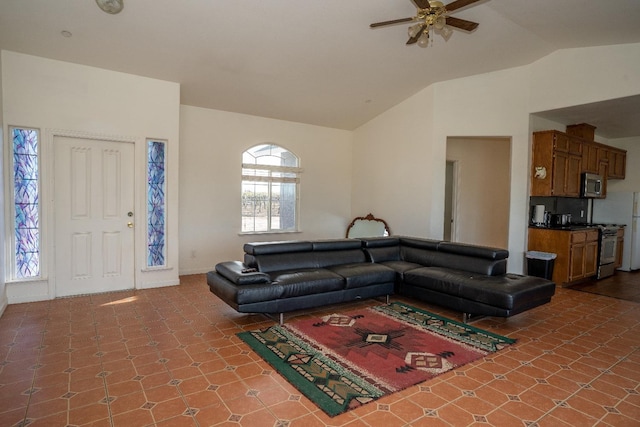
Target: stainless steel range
{"points": [[607, 250]]}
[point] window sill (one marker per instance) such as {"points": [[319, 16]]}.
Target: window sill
{"points": [[158, 268], [260, 233]]}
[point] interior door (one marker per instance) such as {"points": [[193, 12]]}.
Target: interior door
{"points": [[449, 202], [94, 200]]}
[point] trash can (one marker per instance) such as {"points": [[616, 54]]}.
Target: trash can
{"points": [[540, 264]]}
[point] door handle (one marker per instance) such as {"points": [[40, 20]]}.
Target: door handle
{"points": [[130, 224]]}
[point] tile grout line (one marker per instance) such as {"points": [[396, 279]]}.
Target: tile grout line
{"points": [[25, 420], [103, 373], [159, 355], [585, 386]]}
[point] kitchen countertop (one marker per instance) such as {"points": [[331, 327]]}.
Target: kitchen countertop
{"points": [[569, 227]]}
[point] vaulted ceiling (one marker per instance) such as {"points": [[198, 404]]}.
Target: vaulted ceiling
{"points": [[315, 62]]}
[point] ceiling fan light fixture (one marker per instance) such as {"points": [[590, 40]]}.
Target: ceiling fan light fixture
{"points": [[423, 40], [111, 6], [433, 15], [414, 30], [446, 33]]}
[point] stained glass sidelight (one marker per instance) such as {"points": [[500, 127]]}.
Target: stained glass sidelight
{"points": [[156, 204], [26, 203]]}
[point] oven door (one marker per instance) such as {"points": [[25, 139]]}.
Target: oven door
{"points": [[608, 249]]}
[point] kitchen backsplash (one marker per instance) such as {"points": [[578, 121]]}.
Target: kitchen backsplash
{"points": [[578, 208]]}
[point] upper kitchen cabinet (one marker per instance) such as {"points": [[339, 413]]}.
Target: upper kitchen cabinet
{"points": [[610, 162], [557, 164], [559, 160], [617, 163]]}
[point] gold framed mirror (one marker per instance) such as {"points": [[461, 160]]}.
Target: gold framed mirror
{"points": [[368, 226]]}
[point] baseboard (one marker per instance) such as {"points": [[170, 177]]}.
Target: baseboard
{"points": [[3, 304], [194, 271], [152, 285]]}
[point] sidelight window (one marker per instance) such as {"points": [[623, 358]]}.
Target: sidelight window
{"points": [[26, 203], [156, 204]]}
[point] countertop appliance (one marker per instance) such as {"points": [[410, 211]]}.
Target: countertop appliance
{"points": [[622, 208]]}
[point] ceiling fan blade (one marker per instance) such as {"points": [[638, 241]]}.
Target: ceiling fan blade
{"points": [[415, 38], [422, 4], [394, 21], [463, 24], [459, 4]]}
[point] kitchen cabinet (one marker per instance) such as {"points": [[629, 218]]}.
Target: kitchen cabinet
{"points": [[603, 171], [619, 248], [591, 157], [560, 159], [617, 163], [577, 252], [557, 164]]}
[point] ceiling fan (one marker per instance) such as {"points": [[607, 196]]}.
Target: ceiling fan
{"points": [[433, 14]]}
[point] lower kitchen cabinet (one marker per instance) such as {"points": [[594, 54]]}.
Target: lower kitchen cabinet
{"points": [[576, 250]]}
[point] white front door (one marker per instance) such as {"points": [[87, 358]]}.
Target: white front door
{"points": [[94, 216]]}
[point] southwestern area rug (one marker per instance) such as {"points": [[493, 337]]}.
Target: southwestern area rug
{"points": [[343, 361]]}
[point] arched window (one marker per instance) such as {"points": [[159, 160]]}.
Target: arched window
{"points": [[270, 187]]}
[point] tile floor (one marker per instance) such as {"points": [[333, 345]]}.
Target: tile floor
{"points": [[620, 285], [170, 357]]}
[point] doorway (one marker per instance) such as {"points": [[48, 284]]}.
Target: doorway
{"points": [[94, 208], [481, 191]]}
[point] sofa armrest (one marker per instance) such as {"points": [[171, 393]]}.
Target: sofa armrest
{"points": [[240, 274]]}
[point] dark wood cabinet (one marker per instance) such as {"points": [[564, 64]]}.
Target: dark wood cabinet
{"points": [[590, 157], [559, 159], [617, 163], [576, 252], [557, 165]]}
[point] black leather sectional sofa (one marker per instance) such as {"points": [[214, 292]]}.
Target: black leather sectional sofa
{"points": [[279, 277]]}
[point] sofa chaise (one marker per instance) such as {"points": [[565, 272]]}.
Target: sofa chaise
{"points": [[279, 277]]}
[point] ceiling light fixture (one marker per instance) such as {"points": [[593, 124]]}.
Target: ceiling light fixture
{"points": [[433, 15], [111, 6]]}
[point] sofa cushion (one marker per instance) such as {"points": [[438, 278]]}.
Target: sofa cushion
{"points": [[506, 291], [401, 267], [238, 273], [262, 248], [383, 253], [473, 250], [415, 242], [379, 242], [364, 274], [416, 255], [295, 283], [470, 264], [325, 259], [335, 244]]}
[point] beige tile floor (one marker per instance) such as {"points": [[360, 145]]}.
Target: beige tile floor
{"points": [[170, 357]]}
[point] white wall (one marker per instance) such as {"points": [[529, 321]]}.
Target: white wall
{"points": [[482, 190], [410, 140], [581, 76], [62, 97], [3, 291], [413, 134], [212, 143], [392, 166]]}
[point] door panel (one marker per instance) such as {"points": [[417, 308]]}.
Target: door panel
{"points": [[94, 247]]}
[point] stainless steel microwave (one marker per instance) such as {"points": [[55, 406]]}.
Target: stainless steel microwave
{"points": [[592, 185]]}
